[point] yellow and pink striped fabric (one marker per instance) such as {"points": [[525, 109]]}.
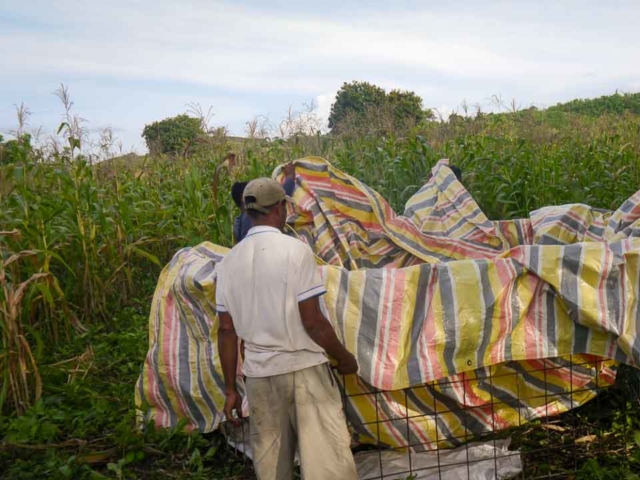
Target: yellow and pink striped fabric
{"points": [[461, 325]]}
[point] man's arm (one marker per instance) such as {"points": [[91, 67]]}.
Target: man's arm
{"points": [[289, 178], [228, 349], [321, 332]]}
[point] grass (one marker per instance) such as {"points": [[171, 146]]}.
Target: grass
{"points": [[82, 246], [597, 439], [83, 426]]}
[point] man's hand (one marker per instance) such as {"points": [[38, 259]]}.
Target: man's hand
{"points": [[289, 170], [322, 332], [233, 401], [228, 348], [348, 364]]}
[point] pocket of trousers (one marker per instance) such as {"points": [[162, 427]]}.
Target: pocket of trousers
{"points": [[330, 373]]}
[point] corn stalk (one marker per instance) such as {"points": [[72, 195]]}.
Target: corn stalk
{"points": [[21, 383]]}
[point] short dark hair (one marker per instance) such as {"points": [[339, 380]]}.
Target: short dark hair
{"points": [[236, 192], [456, 171], [254, 214]]}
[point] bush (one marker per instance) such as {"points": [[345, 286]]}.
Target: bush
{"points": [[172, 135], [18, 150], [361, 107]]}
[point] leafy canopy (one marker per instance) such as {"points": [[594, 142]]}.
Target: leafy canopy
{"points": [[172, 135], [357, 103], [17, 150]]}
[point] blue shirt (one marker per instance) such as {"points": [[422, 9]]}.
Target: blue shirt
{"points": [[242, 223]]}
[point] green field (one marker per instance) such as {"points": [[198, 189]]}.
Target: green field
{"points": [[82, 246]]}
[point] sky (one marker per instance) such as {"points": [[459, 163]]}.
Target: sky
{"points": [[127, 64]]}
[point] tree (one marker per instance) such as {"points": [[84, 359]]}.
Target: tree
{"points": [[18, 150], [361, 104], [172, 135], [407, 107], [355, 99]]}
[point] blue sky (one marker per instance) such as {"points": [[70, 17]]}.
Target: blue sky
{"points": [[130, 63]]}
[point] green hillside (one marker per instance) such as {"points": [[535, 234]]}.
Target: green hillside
{"points": [[616, 104]]}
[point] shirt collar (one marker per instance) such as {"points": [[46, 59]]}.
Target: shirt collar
{"points": [[262, 229]]}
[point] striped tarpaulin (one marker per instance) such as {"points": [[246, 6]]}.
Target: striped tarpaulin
{"points": [[461, 325]]}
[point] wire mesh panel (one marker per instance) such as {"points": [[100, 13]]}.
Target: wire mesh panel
{"points": [[552, 418]]}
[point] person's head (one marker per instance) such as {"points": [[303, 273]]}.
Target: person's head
{"points": [[236, 193], [457, 172], [265, 203]]}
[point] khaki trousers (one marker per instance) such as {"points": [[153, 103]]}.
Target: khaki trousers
{"points": [[300, 409]]}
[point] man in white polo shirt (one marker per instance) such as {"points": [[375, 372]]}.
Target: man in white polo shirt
{"points": [[267, 294]]}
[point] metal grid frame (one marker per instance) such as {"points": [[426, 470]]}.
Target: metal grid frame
{"points": [[565, 441], [550, 446]]}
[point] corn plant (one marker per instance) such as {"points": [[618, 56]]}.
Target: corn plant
{"points": [[93, 233], [21, 384]]}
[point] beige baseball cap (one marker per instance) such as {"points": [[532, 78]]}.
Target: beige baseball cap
{"points": [[262, 193]]}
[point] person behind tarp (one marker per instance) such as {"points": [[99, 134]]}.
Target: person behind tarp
{"points": [[242, 223], [267, 294], [456, 171]]}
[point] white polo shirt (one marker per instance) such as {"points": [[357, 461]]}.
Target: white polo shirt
{"points": [[260, 283]]}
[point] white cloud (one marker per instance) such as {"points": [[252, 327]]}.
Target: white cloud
{"points": [[323, 106], [539, 52], [232, 47]]}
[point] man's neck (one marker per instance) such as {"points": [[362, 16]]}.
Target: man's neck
{"points": [[264, 224]]}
